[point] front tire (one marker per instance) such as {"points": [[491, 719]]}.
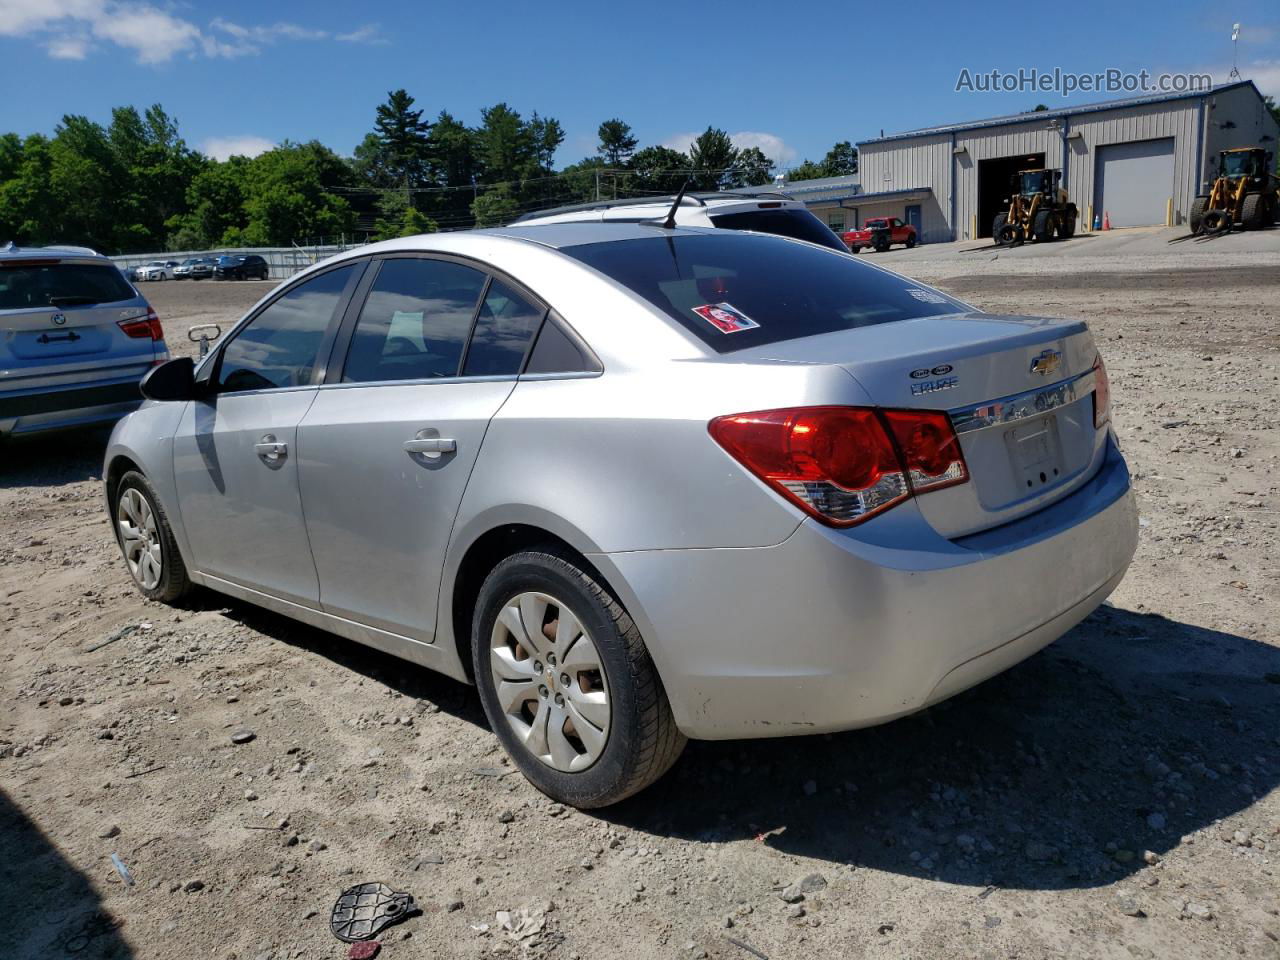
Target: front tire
{"points": [[146, 540], [567, 684], [911, 240]]}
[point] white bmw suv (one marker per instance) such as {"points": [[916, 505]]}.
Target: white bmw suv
{"points": [[773, 213]]}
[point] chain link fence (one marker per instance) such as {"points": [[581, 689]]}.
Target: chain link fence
{"points": [[283, 262]]}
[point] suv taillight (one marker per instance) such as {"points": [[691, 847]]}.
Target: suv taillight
{"points": [[1101, 393], [143, 328], [844, 465]]}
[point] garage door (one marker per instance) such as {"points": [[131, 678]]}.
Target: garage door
{"points": [[1135, 182]]}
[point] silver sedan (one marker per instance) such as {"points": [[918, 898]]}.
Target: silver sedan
{"points": [[638, 483]]}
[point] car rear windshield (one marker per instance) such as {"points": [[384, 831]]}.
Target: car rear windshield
{"points": [[797, 224], [735, 291], [54, 284]]}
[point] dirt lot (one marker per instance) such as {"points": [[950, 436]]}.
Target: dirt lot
{"points": [[1113, 797]]}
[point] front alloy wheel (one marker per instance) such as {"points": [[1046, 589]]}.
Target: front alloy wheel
{"points": [[140, 538], [550, 681], [146, 539]]}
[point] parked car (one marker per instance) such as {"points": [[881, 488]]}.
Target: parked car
{"points": [[193, 268], [157, 270], [638, 484], [75, 339], [130, 273], [241, 267], [773, 213], [880, 233]]}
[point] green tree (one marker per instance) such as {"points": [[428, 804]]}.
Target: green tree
{"points": [[453, 164], [404, 137], [712, 157], [808, 170], [656, 170], [752, 168], [289, 196], [841, 160], [495, 207], [616, 142], [27, 207], [400, 219]]}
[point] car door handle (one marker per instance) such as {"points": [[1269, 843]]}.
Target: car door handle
{"points": [[430, 447], [270, 450]]}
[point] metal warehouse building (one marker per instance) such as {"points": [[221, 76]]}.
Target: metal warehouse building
{"points": [[1141, 160]]}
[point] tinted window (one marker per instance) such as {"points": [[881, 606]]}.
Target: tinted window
{"points": [[504, 326], [735, 291], [415, 321], [280, 345], [798, 224], [555, 352], [60, 285]]}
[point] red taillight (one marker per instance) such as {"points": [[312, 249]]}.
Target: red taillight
{"points": [[143, 328], [1101, 393], [930, 448], [838, 463]]}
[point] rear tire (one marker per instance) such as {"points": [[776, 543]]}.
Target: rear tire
{"points": [[146, 539], [855, 249], [997, 226], [641, 741], [911, 240]]}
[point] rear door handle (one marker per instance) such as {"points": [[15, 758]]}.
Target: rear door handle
{"points": [[430, 447], [270, 450]]}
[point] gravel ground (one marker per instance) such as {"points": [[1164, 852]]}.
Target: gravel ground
{"points": [[1115, 796]]}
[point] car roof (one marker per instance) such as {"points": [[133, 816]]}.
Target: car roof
{"points": [[12, 251]]}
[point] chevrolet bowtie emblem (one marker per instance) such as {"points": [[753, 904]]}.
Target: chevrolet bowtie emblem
{"points": [[1045, 362]]}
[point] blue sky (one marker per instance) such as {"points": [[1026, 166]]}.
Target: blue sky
{"points": [[243, 75]]}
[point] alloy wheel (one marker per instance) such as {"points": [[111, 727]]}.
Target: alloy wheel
{"points": [[550, 682], [140, 537]]}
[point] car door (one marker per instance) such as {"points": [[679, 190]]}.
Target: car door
{"points": [[386, 450], [234, 453]]}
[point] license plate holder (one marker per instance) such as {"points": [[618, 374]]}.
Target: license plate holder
{"points": [[1035, 450]]}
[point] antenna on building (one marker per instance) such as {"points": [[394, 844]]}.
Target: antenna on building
{"points": [[1235, 47]]}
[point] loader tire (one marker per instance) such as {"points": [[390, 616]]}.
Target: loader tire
{"points": [[997, 226], [1253, 213], [1042, 228], [1195, 219]]}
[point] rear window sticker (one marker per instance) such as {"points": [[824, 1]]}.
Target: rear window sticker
{"points": [[725, 317], [926, 296]]}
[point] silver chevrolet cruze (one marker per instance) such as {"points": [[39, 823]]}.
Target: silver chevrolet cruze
{"points": [[638, 483]]}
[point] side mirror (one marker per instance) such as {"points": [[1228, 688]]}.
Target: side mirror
{"points": [[174, 380], [202, 334]]}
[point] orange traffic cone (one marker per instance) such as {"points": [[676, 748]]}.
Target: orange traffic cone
{"points": [[1106, 220]]}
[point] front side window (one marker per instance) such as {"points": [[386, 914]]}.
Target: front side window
{"points": [[734, 291], [279, 347], [415, 322], [504, 326]]}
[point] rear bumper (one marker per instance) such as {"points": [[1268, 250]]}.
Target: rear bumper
{"points": [[836, 629], [33, 411]]}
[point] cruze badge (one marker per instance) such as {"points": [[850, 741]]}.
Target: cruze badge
{"points": [[1046, 362], [59, 319], [932, 379]]}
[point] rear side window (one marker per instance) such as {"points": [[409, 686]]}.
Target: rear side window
{"points": [[415, 322], [278, 347], [734, 291], [53, 284], [794, 223], [504, 327]]}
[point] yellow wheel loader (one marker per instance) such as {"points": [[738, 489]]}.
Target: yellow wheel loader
{"points": [[1244, 194], [1038, 210]]}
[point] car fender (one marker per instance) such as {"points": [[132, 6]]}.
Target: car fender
{"points": [[146, 438]]}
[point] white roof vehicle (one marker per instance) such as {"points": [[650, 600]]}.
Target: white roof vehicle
{"points": [[773, 213]]}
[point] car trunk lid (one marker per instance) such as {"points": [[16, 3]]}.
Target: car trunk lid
{"points": [[1018, 390]]}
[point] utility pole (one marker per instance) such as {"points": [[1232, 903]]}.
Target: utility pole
{"points": [[597, 183]]}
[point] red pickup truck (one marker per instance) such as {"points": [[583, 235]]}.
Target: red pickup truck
{"points": [[880, 233]]}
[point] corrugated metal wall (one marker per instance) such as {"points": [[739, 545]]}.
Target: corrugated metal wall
{"points": [[1177, 119], [910, 165], [1234, 118]]}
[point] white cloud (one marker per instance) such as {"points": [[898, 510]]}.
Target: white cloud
{"points": [[68, 47], [370, 33], [772, 146], [153, 35], [1264, 73], [222, 148]]}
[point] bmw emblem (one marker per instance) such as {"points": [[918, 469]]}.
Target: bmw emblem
{"points": [[59, 319]]}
